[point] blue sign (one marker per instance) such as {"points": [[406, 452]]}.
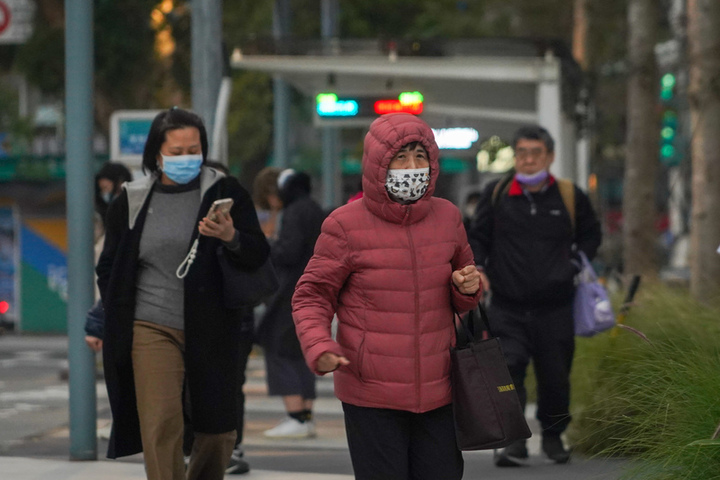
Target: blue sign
{"points": [[128, 133], [133, 134]]}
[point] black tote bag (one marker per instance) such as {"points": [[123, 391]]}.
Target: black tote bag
{"points": [[486, 406]]}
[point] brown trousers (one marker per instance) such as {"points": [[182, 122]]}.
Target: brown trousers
{"points": [[157, 356]]}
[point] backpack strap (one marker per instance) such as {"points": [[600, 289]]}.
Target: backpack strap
{"points": [[567, 192], [502, 187]]}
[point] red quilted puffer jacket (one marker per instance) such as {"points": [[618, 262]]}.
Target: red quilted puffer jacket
{"points": [[385, 268]]}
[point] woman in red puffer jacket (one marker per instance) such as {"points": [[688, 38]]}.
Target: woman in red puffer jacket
{"points": [[393, 266]]}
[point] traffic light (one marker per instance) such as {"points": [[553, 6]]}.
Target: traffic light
{"points": [[667, 87], [668, 135], [669, 151]]}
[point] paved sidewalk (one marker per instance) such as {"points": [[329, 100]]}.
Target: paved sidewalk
{"points": [[37, 448], [15, 468]]}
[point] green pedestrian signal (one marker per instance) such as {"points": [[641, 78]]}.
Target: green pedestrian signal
{"points": [[667, 152], [668, 81], [667, 87], [669, 149]]}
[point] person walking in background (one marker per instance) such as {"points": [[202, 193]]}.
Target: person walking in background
{"points": [[526, 243], [108, 186], [267, 200], [287, 374], [162, 320], [394, 266], [468, 208]]}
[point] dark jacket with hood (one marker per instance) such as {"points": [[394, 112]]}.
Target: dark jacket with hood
{"points": [[300, 226], [211, 330], [386, 269], [526, 244]]}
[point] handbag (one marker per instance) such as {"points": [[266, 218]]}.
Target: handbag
{"points": [[592, 311], [246, 288], [486, 407]]}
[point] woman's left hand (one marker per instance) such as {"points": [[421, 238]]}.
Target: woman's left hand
{"points": [[223, 228], [467, 280]]}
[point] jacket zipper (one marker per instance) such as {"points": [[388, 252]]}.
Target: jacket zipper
{"points": [[533, 206], [417, 310]]}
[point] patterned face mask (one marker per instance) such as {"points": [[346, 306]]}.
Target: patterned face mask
{"points": [[407, 185]]}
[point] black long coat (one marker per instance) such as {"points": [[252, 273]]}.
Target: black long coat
{"points": [[211, 330]]}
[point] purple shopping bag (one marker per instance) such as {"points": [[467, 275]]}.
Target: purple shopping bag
{"points": [[592, 309]]}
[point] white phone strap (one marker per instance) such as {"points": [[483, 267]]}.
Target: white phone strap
{"points": [[184, 267]]}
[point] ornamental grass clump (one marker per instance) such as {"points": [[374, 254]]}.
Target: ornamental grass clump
{"points": [[657, 401]]}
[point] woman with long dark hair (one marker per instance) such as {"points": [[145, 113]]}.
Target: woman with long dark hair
{"points": [[168, 335]]}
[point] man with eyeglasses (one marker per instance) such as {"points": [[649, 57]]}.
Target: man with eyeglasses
{"points": [[526, 234]]}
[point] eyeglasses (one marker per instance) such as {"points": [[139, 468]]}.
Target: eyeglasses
{"points": [[522, 153]]}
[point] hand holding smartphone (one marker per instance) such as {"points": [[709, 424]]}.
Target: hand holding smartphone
{"points": [[218, 208]]}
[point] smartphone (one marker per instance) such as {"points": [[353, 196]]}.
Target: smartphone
{"points": [[219, 207]]}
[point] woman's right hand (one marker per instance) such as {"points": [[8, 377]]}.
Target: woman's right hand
{"points": [[94, 343], [329, 362]]}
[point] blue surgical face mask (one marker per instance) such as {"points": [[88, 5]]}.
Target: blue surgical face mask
{"points": [[182, 169], [533, 178], [107, 197]]}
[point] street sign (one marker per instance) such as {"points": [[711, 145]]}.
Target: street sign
{"points": [[128, 133], [16, 20], [455, 138]]}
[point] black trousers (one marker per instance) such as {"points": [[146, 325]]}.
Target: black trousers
{"points": [[547, 336], [399, 445]]}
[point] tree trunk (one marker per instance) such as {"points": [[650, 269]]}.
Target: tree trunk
{"points": [[704, 96], [580, 33], [641, 162]]}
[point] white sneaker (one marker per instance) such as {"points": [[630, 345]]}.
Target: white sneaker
{"points": [[103, 433], [311, 428], [291, 428]]}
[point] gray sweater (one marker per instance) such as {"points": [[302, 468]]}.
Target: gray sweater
{"points": [[164, 244]]}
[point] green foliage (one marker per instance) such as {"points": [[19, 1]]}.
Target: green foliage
{"points": [[250, 123], [655, 401], [244, 19], [408, 18], [124, 51], [42, 58]]}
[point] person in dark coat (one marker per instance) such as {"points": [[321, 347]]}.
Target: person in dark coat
{"points": [[167, 328], [108, 185], [287, 373], [526, 245]]}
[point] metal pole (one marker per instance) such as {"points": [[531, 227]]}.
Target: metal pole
{"points": [[217, 151], [281, 121], [79, 186], [207, 59], [329, 167], [281, 90], [332, 172]]}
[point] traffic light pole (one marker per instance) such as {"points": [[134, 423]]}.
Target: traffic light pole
{"points": [[281, 89], [331, 168], [79, 188]]}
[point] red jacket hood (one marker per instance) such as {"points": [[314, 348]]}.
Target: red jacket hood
{"points": [[386, 137]]}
